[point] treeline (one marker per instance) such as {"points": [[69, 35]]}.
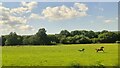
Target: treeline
{"points": [[64, 37]]}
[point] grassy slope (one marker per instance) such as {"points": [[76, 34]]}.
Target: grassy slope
{"points": [[64, 55]]}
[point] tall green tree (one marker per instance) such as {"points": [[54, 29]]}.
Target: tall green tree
{"points": [[53, 39], [34, 40], [0, 41], [65, 33], [3, 40], [42, 37], [26, 40], [12, 39], [76, 32], [108, 37]]}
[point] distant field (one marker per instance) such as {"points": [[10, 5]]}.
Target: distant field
{"points": [[60, 55]]}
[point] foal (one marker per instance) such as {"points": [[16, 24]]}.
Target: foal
{"points": [[81, 50], [100, 49]]}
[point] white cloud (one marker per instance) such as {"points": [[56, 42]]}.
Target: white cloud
{"points": [[5, 29], [111, 20], [26, 8], [12, 19], [30, 5], [35, 16], [19, 10], [61, 12], [64, 12], [81, 7], [4, 10], [26, 27], [16, 20], [108, 21]]}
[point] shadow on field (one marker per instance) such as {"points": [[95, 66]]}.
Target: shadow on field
{"points": [[101, 52]]}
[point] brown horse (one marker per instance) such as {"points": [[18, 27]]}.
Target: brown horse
{"points": [[100, 49]]}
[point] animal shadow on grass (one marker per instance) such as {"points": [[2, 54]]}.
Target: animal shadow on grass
{"points": [[101, 52]]}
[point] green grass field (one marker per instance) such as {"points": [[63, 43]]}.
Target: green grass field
{"points": [[60, 55]]}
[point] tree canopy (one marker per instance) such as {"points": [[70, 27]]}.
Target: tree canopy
{"points": [[64, 37]]}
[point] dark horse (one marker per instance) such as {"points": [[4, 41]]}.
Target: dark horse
{"points": [[100, 49], [81, 50]]}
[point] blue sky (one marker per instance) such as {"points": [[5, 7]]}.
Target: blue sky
{"points": [[61, 0], [96, 16]]}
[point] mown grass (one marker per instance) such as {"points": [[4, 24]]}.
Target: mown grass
{"points": [[60, 55]]}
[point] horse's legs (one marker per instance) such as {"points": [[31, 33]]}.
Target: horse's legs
{"points": [[97, 50]]}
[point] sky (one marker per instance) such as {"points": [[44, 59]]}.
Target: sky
{"points": [[61, 0], [27, 17]]}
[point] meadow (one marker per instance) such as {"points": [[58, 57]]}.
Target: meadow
{"points": [[60, 55]]}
